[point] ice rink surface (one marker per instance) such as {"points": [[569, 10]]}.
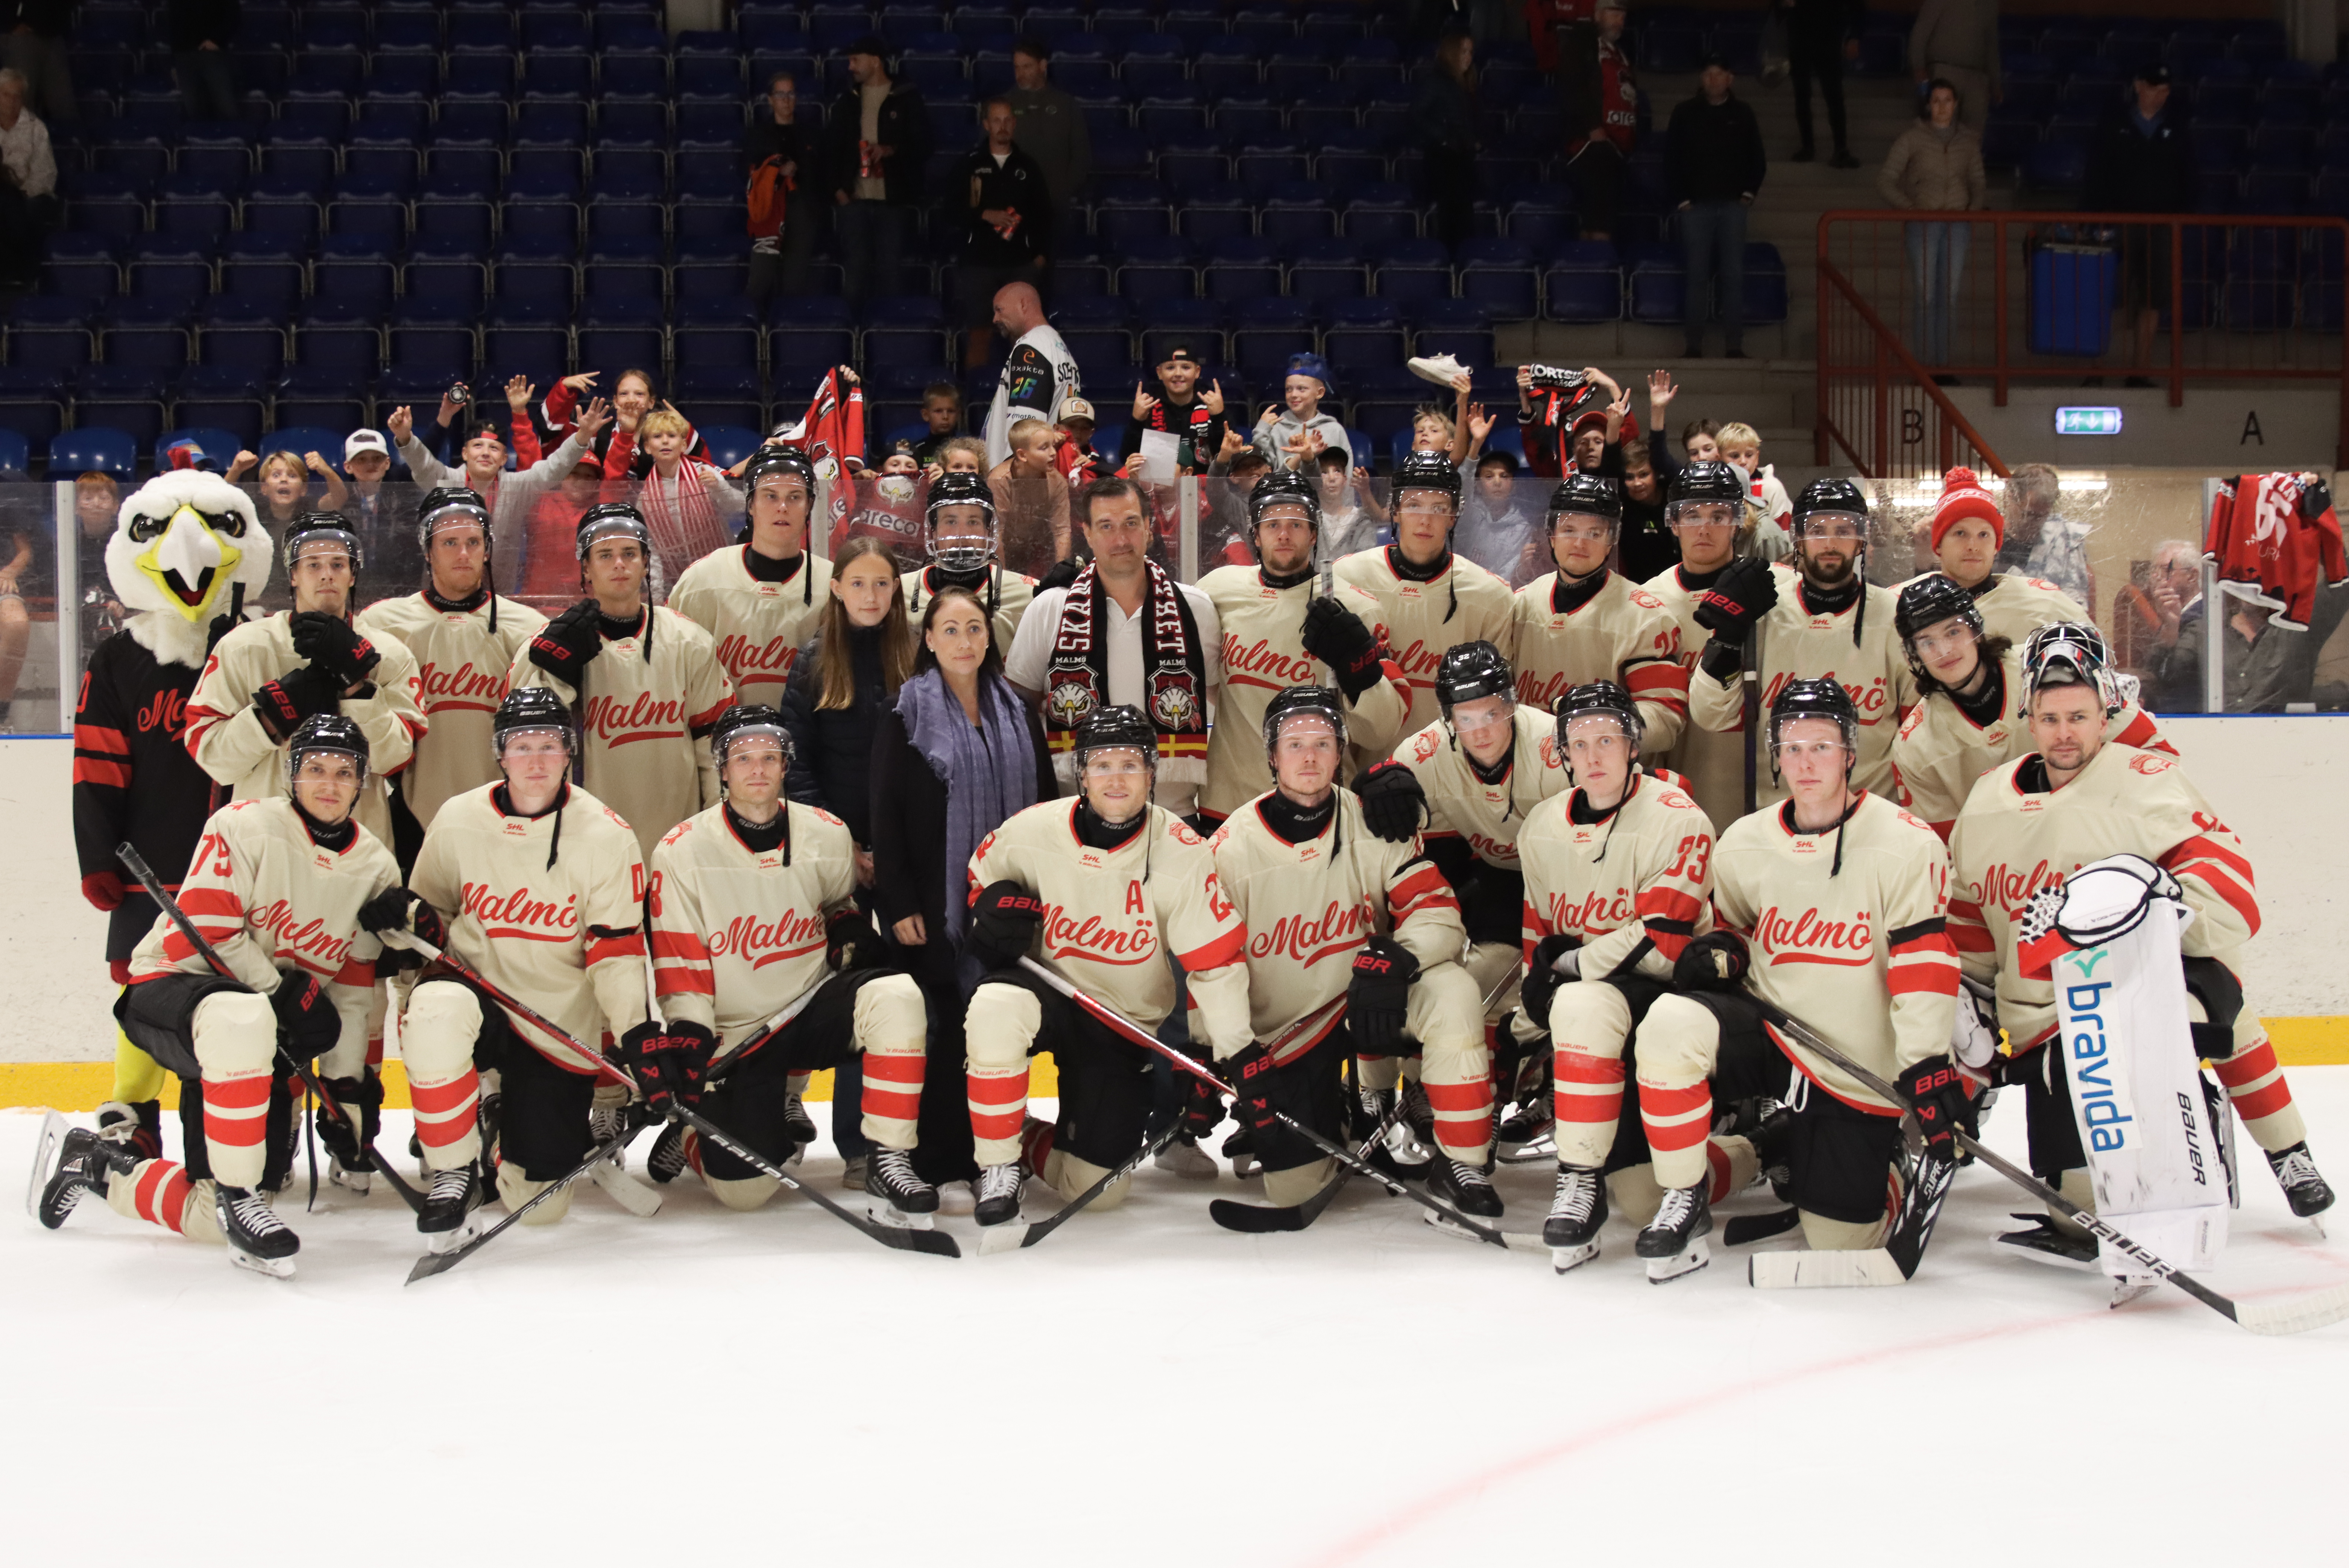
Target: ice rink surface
{"points": [[1143, 1389]]}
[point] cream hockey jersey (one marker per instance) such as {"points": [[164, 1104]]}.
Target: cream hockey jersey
{"points": [[1621, 634], [1848, 932], [1013, 593], [225, 737], [1113, 915], [1264, 654], [738, 934], [553, 920], [1799, 645], [2012, 841], [1310, 907], [2015, 606], [1488, 816], [1632, 887], [1941, 753], [1420, 622], [461, 667], [1712, 760], [271, 900], [648, 712], [758, 627]]}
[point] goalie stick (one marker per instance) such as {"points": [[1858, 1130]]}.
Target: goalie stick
{"points": [[1126, 1029], [136, 863], [2297, 1316]]}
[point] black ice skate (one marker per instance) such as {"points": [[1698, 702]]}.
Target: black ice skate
{"points": [[797, 1122], [668, 1163], [257, 1239], [998, 1192], [72, 1166], [1240, 1150], [1465, 1187], [603, 1126], [1674, 1243], [1576, 1213], [2045, 1242], [2303, 1189], [909, 1200], [1529, 1133], [448, 1206], [1417, 1114]]}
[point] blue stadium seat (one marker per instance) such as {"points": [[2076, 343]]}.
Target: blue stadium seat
{"points": [[1381, 223], [1413, 273], [107, 451], [1295, 213], [1149, 278], [1362, 338], [1325, 270], [1265, 331], [1242, 268], [1457, 327], [1207, 221]]}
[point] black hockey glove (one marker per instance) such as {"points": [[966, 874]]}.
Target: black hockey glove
{"points": [[308, 1024], [1937, 1093], [1335, 636], [361, 1100], [1248, 1070], [1716, 960], [1392, 800], [1003, 923], [1740, 596], [396, 909], [331, 643], [1203, 1108], [1059, 575], [1492, 905], [1543, 978], [1378, 993], [285, 702], [564, 644], [850, 941], [668, 1064]]}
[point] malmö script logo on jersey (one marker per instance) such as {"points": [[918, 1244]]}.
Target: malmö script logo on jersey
{"points": [[1869, 697], [1259, 659], [1811, 937], [464, 686], [1103, 942], [764, 942], [1339, 929], [617, 723], [742, 657], [1594, 914], [304, 939], [166, 711], [2010, 888], [521, 913]]}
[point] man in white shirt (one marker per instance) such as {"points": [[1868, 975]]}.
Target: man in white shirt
{"points": [[1039, 375]]}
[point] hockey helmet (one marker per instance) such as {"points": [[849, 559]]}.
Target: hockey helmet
{"points": [[1928, 602], [1831, 497], [1599, 699], [778, 462], [1427, 471], [1470, 671], [316, 531], [1282, 487], [528, 709], [749, 721], [962, 561], [329, 732], [1815, 699], [1117, 727], [1303, 702], [1705, 483], [450, 506], [1586, 495], [613, 519], [2071, 653]]}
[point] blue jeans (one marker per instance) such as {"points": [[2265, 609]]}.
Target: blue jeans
{"points": [[1712, 258], [1937, 259], [872, 237]]}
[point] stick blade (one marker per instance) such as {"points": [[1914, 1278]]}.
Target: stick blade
{"points": [[1806, 1269], [2297, 1316], [625, 1190], [432, 1264], [1004, 1238], [936, 1242], [1255, 1219]]}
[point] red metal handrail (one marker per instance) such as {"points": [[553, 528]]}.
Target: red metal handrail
{"points": [[1889, 351]]}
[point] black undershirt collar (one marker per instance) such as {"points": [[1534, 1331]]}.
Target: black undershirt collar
{"points": [[503, 800], [336, 838], [1829, 601], [1095, 833], [758, 837], [1293, 823], [1272, 579], [767, 569], [1983, 706], [479, 598], [1571, 593], [1403, 569]]}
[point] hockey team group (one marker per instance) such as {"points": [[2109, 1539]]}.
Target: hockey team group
{"points": [[1735, 876]]}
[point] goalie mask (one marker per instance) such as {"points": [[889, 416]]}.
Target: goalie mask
{"points": [[2069, 653], [187, 547], [962, 508]]}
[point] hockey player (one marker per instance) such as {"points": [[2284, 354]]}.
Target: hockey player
{"points": [[276, 888], [266, 677], [186, 554], [1100, 888], [540, 887], [1429, 599], [760, 601], [1834, 625], [2079, 798], [1353, 941], [465, 639], [1705, 510], [959, 524], [753, 909], [1833, 905], [1968, 530], [1280, 632], [1968, 715], [647, 708], [1617, 873], [1586, 623]]}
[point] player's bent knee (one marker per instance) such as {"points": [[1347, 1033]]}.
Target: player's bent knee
{"points": [[436, 1039], [1591, 1018], [1069, 1176], [515, 1190], [236, 1032], [1283, 1189], [1679, 1041], [1634, 1194], [890, 1014], [1825, 1235], [743, 1195], [1000, 1026]]}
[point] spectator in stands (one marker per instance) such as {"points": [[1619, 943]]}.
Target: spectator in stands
{"points": [[550, 572], [281, 486], [942, 413], [384, 518], [1935, 166], [1195, 417], [1051, 126], [1697, 443], [1296, 435], [689, 507], [780, 162], [1075, 458], [33, 41], [16, 574], [1607, 126], [1007, 226], [958, 455], [1031, 501], [511, 498], [1821, 35], [1646, 545], [1740, 447], [201, 33], [2141, 162], [880, 135], [1715, 165], [1040, 374], [1350, 518], [28, 184], [634, 396], [2148, 612], [1956, 41], [2041, 542], [1494, 531], [1443, 127]]}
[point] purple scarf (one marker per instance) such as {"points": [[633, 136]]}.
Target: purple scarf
{"points": [[989, 773]]}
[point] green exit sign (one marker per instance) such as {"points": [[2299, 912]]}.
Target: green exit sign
{"points": [[2087, 421]]}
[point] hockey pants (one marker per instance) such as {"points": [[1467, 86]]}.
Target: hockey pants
{"points": [[1455, 1061]]}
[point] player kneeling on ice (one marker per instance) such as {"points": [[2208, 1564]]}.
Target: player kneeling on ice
{"points": [[2026, 829], [1354, 943], [274, 891], [752, 916], [1616, 874], [1831, 906], [1100, 888], [541, 890]]}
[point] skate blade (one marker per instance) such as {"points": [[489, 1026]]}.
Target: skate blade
{"points": [[881, 1212], [438, 1242], [45, 1154], [1007, 1237], [2316, 1223], [356, 1182], [1542, 1148], [275, 1268], [1561, 1259], [2127, 1290], [1663, 1271], [1452, 1227], [2021, 1241]]}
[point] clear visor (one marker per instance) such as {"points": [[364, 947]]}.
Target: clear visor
{"points": [[294, 760], [560, 735], [323, 542], [761, 735], [456, 517], [596, 532]]}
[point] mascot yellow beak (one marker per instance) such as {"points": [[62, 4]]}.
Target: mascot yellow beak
{"points": [[192, 562]]}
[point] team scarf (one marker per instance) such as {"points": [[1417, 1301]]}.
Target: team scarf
{"points": [[685, 527], [830, 432], [1174, 676]]}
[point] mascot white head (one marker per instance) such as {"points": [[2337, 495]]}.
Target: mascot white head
{"points": [[187, 552]]}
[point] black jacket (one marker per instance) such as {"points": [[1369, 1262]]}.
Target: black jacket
{"points": [[1716, 152], [1018, 185], [792, 144], [193, 22], [909, 823], [905, 129], [2129, 172], [1443, 112], [836, 744]]}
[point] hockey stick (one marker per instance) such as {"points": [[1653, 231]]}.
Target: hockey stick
{"points": [[432, 1264], [1126, 1029], [137, 865], [900, 1236], [725, 1064], [1264, 1219], [2313, 1311], [1015, 1233]]}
